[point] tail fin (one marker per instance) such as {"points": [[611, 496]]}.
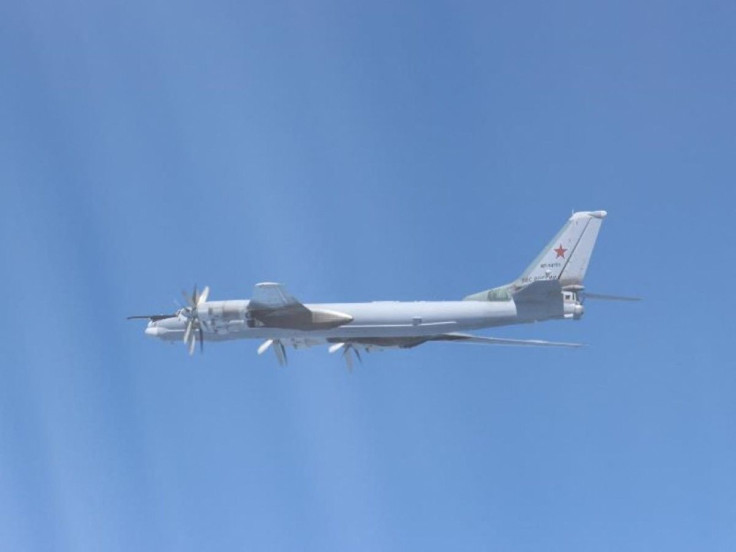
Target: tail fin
{"points": [[566, 257]]}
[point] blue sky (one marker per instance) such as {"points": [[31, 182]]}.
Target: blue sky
{"points": [[425, 150]]}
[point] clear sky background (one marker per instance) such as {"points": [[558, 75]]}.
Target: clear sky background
{"points": [[360, 151]]}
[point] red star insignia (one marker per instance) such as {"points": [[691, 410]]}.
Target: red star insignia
{"points": [[560, 252]]}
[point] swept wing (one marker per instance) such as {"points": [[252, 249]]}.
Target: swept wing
{"points": [[274, 307], [469, 338]]}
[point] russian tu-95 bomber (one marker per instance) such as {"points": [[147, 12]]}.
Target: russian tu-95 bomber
{"points": [[550, 288]]}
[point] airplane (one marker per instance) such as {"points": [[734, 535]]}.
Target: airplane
{"points": [[550, 288]]}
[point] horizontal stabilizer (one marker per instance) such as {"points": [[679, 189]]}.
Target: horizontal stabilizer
{"points": [[604, 297], [469, 338]]}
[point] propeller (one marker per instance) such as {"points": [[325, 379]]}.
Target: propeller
{"points": [[347, 353], [191, 313], [278, 348]]}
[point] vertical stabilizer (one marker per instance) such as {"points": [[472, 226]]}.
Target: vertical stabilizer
{"points": [[567, 256]]}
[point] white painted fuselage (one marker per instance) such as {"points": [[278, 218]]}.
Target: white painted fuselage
{"points": [[227, 320], [550, 288]]}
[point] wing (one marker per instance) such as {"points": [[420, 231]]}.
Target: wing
{"points": [[269, 295], [350, 347], [274, 307], [468, 338], [153, 317], [410, 342]]}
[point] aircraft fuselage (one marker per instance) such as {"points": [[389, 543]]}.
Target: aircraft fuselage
{"points": [[551, 287], [227, 320]]}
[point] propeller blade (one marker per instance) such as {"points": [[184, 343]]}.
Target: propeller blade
{"points": [[357, 355], [280, 353], [188, 331], [348, 359], [264, 346], [336, 347], [201, 340], [192, 345], [203, 296]]}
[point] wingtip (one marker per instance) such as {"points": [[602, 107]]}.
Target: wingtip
{"points": [[594, 214]]}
